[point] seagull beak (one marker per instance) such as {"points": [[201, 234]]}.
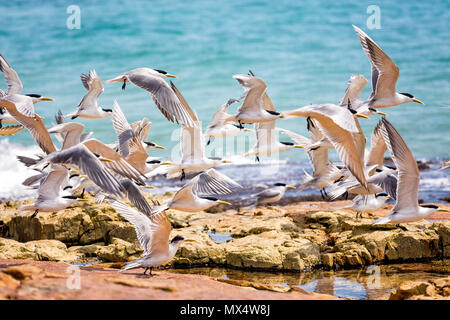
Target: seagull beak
{"points": [[282, 116], [299, 147], [167, 163], [362, 116], [190, 240], [226, 161], [105, 159], [170, 75], [418, 101], [47, 99], [224, 202], [382, 113], [84, 200], [247, 130], [290, 187], [443, 210], [160, 147], [149, 187]]}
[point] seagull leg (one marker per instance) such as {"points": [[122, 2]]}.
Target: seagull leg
{"points": [[124, 85], [346, 195], [1, 125], [183, 175], [34, 214], [151, 268], [257, 159], [145, 270], [321, 193], [401, 227], [240, 125], [209, 141], [82, 193]]}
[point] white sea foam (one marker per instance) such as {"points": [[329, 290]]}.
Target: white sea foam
{"points": [[13, 172]]}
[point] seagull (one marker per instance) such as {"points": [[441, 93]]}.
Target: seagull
{"points": [[367, 203], [192, 146], [130, 143], [266, 140], [337, 124], [355, 85], [445, 165], [51, 196], [152, 80], [252, 109], [153, 234], [190, 198], [324, 172], [220, 126], [88, 107], [24, 103], [272, 194], [384, 76], [406, 208]]}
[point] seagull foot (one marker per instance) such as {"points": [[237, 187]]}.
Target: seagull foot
{"points": [[183, 175], [401, 227], [124, 85]]}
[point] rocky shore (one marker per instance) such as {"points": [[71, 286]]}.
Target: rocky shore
{"points": [[296, 237]]}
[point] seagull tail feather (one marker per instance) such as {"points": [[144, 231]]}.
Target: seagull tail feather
{"points": [[383, 220], [133, 264]]}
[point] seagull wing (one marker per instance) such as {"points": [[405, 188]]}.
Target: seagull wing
{"points": [[88, 163], [118, 164], [50, 187], [153, 233], [163, 96], [408, 172], [344, 144], [386, 72], [213, 182], [35, 126], [377, 148], [265, 134], [93, 84], [355, 85], [11, 77], [254, 88], [10, 130], [123, 130], [136, 197]]}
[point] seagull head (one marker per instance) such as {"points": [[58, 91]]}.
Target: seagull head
{"points": [[38, 98], [162, 74], [407, 97]]}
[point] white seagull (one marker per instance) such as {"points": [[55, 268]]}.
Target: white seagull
{"points": [[88, 107], [384, 76], [407, 208], [152, 80], [153, 234]]}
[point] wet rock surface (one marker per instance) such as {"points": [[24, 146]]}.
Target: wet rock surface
{"points": [[27, 279]]}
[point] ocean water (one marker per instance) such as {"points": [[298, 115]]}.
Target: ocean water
{"points": [[305, 51]]}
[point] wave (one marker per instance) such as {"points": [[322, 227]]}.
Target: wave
{"points": [[13, 172]]}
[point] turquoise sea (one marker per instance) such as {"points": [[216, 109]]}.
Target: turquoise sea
{"points": [[304, 50]]}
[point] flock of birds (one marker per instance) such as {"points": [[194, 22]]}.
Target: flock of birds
{"points": [[120, 170]]}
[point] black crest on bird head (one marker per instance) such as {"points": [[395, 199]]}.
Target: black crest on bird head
{"points": [[273, 112], [381, 194], [432, 206], [287, 143], [176, 239], [161, 71], [107, 110], [210, 198], [33, 95], [149, 143], [407, 94], [279, 184], [153, 161]]}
